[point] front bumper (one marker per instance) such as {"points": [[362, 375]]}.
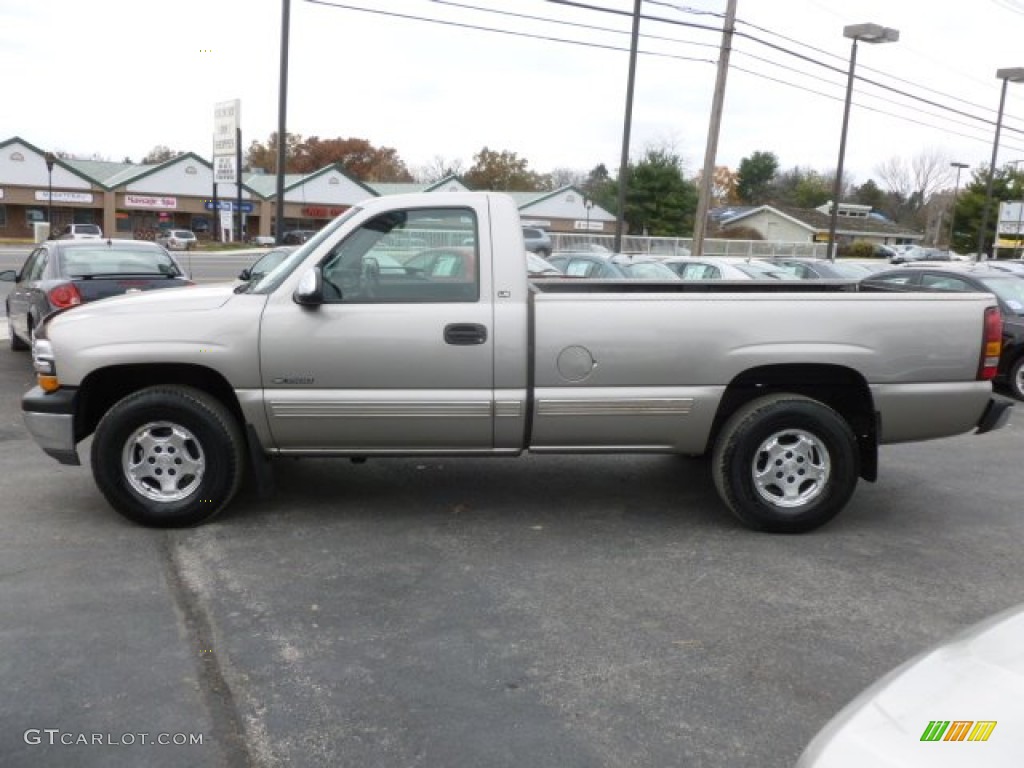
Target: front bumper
{"points": [[50, 418], [996, 415]]}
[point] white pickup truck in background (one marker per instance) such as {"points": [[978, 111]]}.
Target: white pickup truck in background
{"points": [[360, 346]]}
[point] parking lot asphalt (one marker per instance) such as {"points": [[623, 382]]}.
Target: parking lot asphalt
{"points": [[541, 611]]}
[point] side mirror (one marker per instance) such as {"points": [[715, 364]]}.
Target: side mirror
{"points": [[310, 291], [245, 274], [8, 276]]}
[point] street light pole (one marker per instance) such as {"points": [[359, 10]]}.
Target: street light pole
{"points": [[1012, 75], [50, 158], [868, 33], [1020, 209], [956, 189]]}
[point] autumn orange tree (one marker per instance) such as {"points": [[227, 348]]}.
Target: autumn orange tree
{"points": [[503, 171], [358, 157]]}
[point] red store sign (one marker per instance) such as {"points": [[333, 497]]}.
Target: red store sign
{"points": [[322, 211]]}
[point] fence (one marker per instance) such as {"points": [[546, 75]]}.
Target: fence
{"points": [[681, 246]]}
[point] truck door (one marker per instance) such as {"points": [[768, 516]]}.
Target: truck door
{"points": [[399, 357]]}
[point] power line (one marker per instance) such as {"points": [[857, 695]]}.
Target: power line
{"points": [[574, 24], [863, 67], [511, 33], [868, 107], [578, 4]]}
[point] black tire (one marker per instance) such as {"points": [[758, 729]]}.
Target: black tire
{"points": [[1015, 381], [16, 342], [815, 455], [168, 456]]}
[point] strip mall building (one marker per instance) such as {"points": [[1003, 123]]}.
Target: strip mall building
{"points": [[129, 200]]}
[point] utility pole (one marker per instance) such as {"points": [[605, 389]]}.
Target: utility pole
{"points": [[282, 110], [711, 150], [627, 124]]}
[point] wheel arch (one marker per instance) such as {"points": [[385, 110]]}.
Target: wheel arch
{"points": [[105, 386], [842, 389]]}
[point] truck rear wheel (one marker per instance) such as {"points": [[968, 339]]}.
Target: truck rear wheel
{"points": [[168, 456], [785, 463], [1016, 379]]}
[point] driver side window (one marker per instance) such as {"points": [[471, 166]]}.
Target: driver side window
{"points": [[417, 255]]}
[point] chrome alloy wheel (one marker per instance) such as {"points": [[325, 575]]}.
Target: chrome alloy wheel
{"points": [[791, 468], [163, 461]]}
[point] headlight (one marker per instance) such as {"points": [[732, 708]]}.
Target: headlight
{"points": [[44, 364]]}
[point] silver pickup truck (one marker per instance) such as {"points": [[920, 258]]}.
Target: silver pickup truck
{"points": [[408, 327]]}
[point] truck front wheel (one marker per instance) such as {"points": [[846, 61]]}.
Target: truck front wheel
{"points": [[785, 463], [168, 456]]}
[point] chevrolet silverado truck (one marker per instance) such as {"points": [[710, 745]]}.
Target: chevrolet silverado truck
{"points": [[355, 347]]}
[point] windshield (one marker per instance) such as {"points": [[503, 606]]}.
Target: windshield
{"points": [[277, 275], [1009, 289], [535, 265], [762, 272], [103, 260], [856, 271], [651, 271]]}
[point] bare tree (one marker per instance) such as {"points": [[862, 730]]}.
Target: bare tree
{"points": [[923, 175], [564, 177], [439, 168], [895, 175]]}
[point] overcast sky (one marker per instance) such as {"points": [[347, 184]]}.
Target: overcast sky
{"points": [[117, 77]]}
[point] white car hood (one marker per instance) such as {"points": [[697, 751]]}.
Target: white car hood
{"points": [[188, 299], [977, 676]]}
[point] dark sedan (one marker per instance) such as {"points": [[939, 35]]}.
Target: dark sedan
{"points": [[1006, 287], [65, 273], [297, 236]]}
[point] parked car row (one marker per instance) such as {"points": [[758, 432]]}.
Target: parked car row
{"points": [[65, 272]]}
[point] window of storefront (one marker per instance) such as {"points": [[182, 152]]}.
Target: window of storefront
{"points": [[32, 215], [3, 216]]}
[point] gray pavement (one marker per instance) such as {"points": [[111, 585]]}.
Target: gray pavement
{"points": [[543, 611]]}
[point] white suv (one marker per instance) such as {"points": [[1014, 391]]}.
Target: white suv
{"points": [[537, 241], [177, 239], [81, 232]]}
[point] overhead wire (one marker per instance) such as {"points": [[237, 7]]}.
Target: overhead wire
{"points": [[511, 33], [579, 5]]}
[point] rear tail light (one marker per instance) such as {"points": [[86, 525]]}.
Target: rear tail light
{"points": [[991, 344], [64, 296]]}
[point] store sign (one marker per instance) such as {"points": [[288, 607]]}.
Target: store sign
{"points": [[224, 170], [596, 226], [1, 194], [43, 195], [150, 201], [322, 211], [227, 205], [227, 117], [1011, 218]]}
